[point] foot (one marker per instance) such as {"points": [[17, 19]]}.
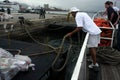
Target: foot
{"points": [[93, 65]]}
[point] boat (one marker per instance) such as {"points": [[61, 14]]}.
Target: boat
{"points": [[78, 70], [109, 66]]}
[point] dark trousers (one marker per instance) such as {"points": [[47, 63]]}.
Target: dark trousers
{"points": [[118, 37]]}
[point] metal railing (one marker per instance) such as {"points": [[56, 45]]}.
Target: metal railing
{"points": [[99, 14], [79, 72]]}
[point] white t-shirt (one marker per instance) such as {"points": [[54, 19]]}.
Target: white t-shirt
{"points": [[83, 20], [116, 8]]}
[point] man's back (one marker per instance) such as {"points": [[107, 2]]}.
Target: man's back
{"points": [[83, 20]]}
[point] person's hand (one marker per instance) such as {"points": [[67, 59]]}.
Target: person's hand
{"points": [[68, 35], [108, 20], [115, 24]]}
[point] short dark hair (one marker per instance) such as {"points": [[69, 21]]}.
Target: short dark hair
{"points": [[107, 2], [111, 2]]}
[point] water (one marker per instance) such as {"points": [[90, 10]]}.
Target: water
{"points": [[66, 12], [57, 12]]}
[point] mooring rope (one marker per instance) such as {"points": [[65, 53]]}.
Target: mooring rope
{"points": [[57, 50], [15, 50], [36, 40], [42, 53], [9, 43], [58, 55], [9, 39]]}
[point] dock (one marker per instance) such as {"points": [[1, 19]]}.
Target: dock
{"points": [[31, 21]]}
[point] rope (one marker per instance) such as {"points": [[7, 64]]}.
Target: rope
{"points": [[58, 55], [36, 40], [108, 55], [54, 49], [36, 54], [18, 50], [9, 40], [57, 50]]}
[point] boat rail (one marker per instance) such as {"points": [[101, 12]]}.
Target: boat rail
{"points": [[100, 14], [80, 67]]}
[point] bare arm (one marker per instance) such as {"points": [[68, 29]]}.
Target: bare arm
{"points": [[117, 20], [111, 17], [74, 31], [105, 13]]}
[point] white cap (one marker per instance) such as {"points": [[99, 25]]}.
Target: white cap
{"points": [[74, 9]]}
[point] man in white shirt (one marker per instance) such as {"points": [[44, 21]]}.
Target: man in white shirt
{"points": [[85, 23]]}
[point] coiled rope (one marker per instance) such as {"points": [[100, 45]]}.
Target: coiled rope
{"points": [[108, 55]]}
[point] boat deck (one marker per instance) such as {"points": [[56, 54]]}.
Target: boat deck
{"points": [[105, 72], [110, 72]]}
